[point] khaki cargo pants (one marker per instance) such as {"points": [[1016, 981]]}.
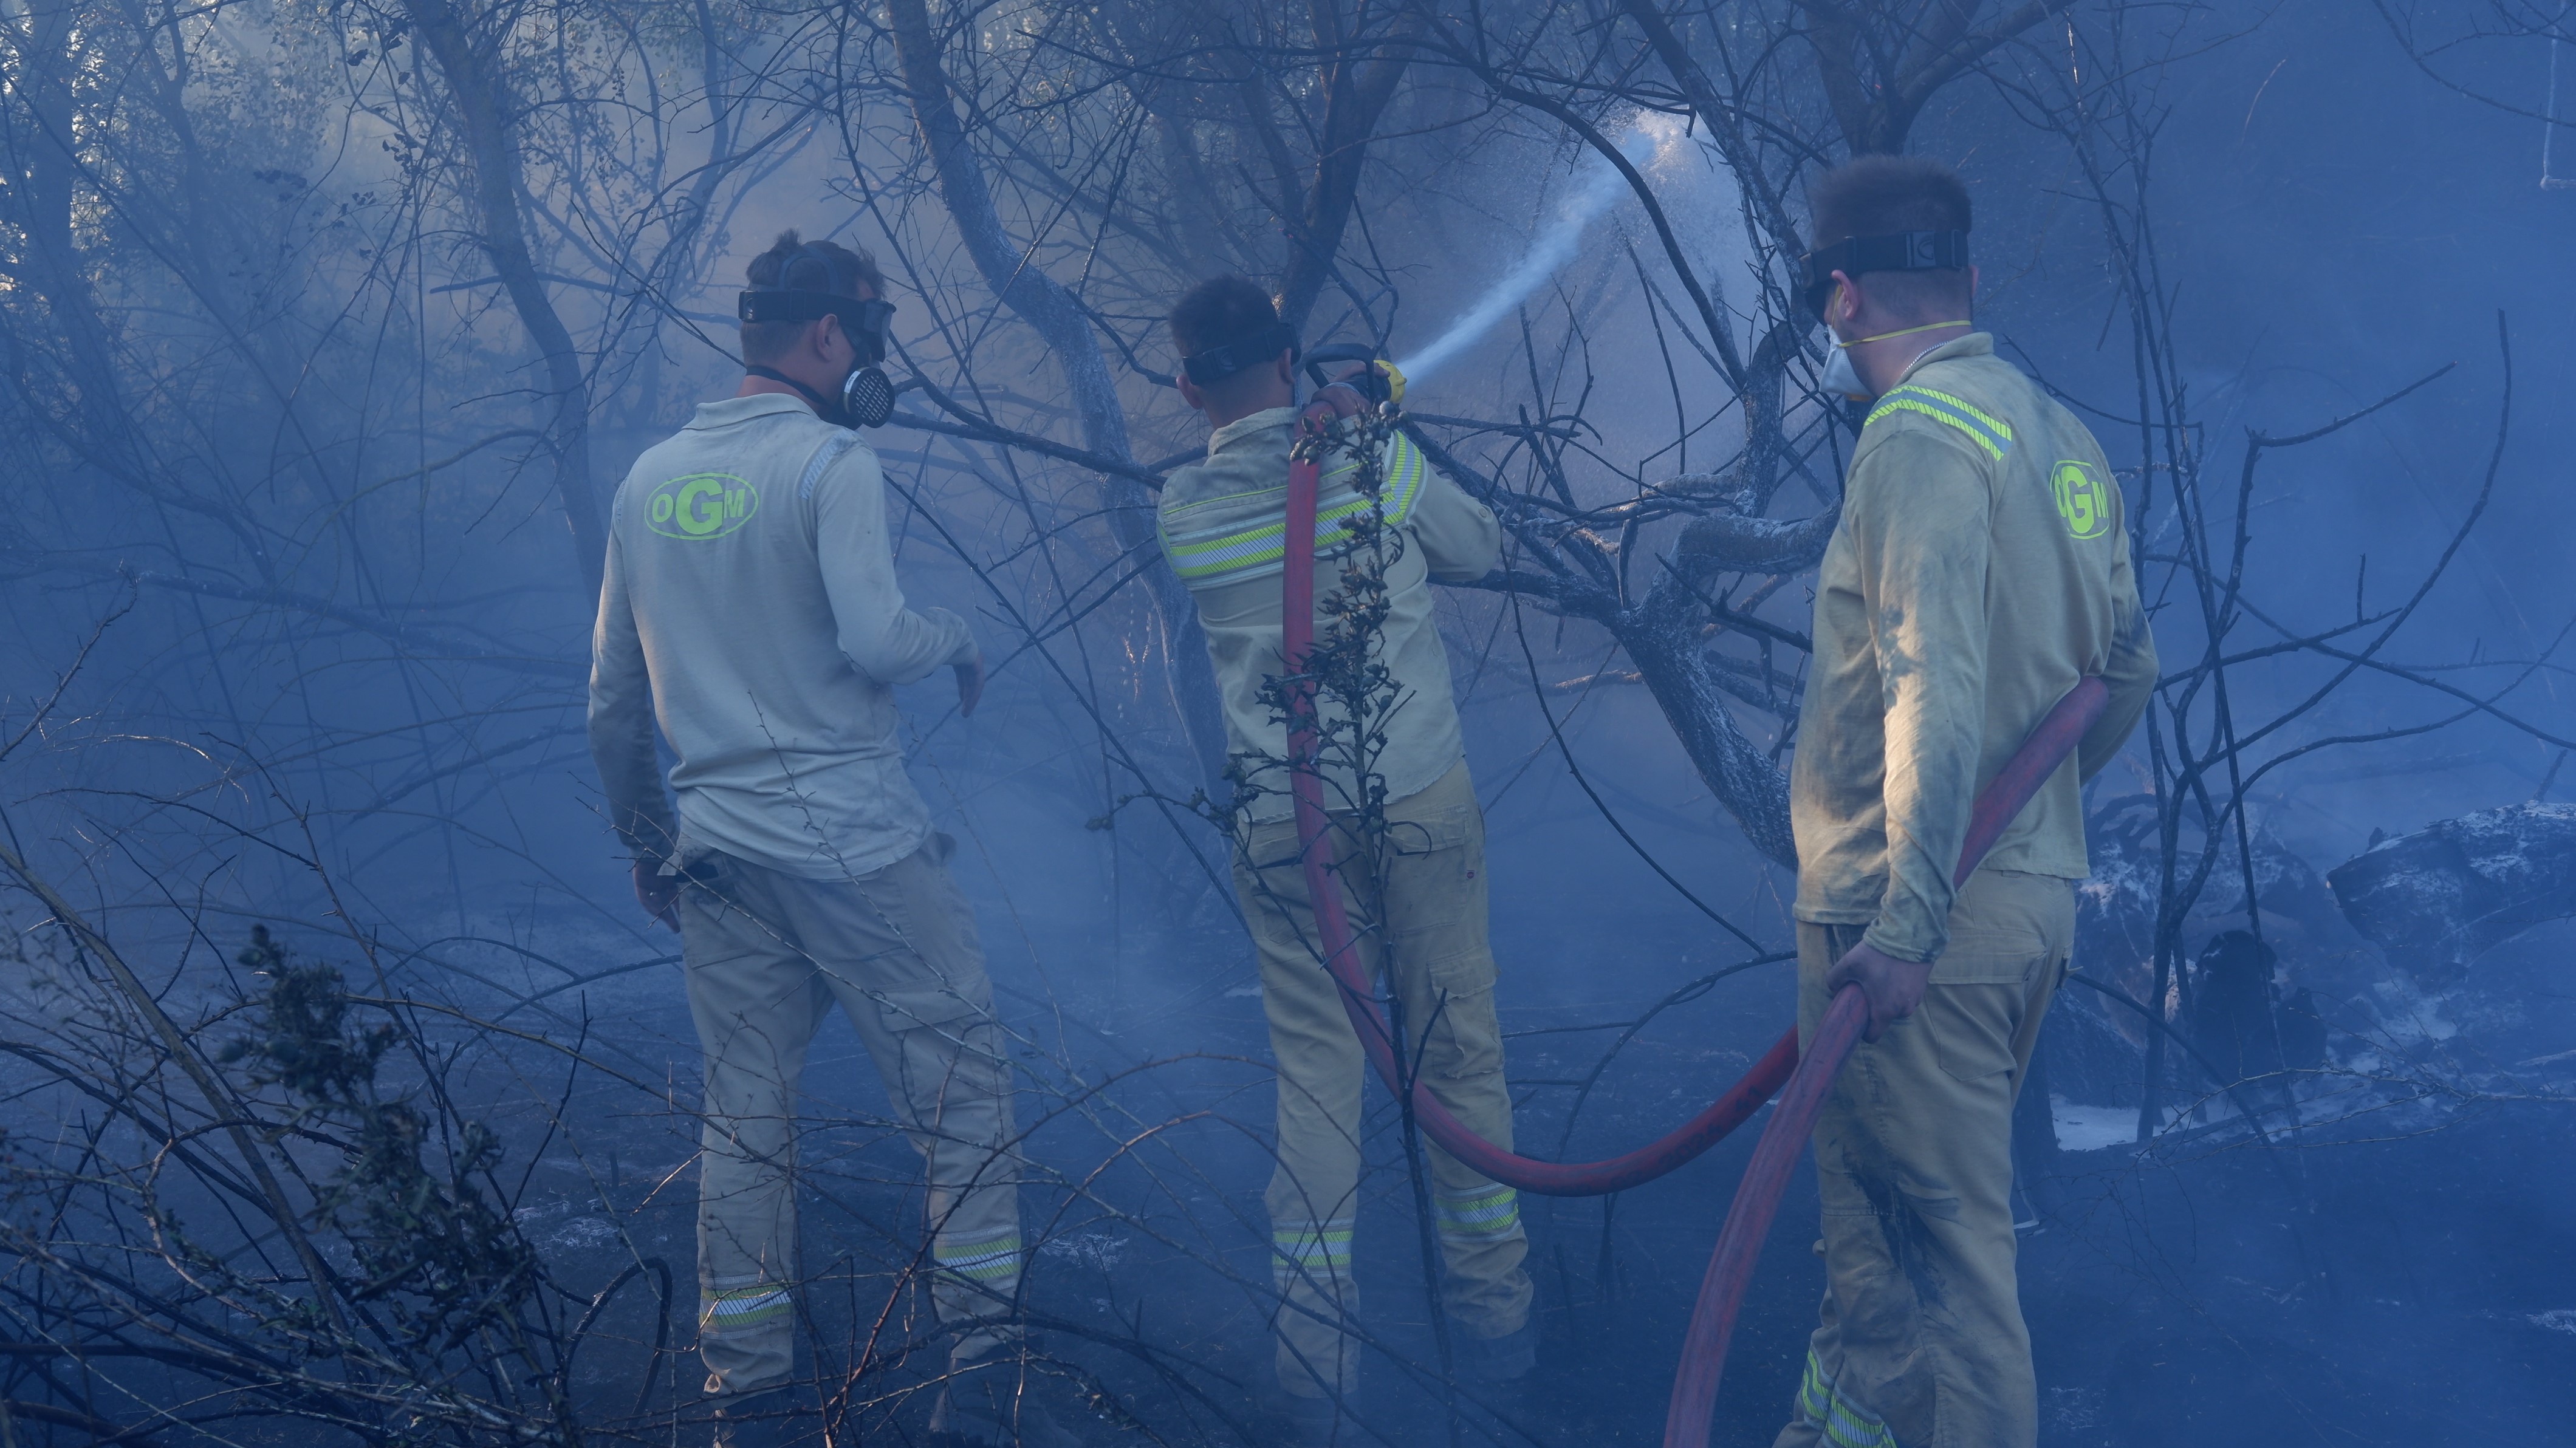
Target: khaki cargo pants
{"points": [[767, 956], [1922, 1343], [1442, 971]]}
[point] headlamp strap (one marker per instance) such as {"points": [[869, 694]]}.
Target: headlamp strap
{"points": [[1893, 251], [1215, 364], [863, 321]]}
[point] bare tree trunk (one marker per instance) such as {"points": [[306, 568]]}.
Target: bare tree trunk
{"points": [[1356, 92], [485, 123], [1047, 307]]}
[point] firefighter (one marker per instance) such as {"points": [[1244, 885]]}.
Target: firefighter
{"points": [[751, 609], [1222, 525], [1980, 569]]}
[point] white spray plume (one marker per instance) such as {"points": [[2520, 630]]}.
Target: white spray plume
{"points": [[1598, 185]]}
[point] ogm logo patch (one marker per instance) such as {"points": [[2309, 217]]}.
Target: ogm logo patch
{"points": [[700, 505], [2083, 499]]}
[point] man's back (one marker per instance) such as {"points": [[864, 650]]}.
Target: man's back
{"points": [[751, 582], [1981, 569], [1222, 524]]}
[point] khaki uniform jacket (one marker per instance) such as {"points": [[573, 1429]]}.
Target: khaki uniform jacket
{"points": [[1980, 569], [751, 606], [1222, 522]]}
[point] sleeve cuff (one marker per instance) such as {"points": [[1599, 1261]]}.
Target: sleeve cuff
{"points": [[1902, 944]]}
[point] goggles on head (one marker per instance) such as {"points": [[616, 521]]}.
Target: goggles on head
{"points": [[1893, 251], [863, 322], [866, 396], [1215, 364]]}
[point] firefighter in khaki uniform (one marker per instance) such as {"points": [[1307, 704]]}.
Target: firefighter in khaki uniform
{"points": [[1222, 527], [751, 608], [1980, 569]]}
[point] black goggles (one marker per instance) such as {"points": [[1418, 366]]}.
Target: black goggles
{"points": [[1894, 251], [1215, 364], [863, 322]]}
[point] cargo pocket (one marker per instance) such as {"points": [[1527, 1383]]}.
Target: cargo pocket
{"points": [[2005, 928], [1435, 870], [1972, 1029], [1465, 1041]]}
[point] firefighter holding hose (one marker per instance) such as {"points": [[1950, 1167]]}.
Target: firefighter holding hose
{"points": [[1222, 524], [1980, 569], [751, 609]]}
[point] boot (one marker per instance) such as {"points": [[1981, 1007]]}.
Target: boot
{"points": [[995, 1402], [765, 1420], [1317, 1423], [1498, 1361]]}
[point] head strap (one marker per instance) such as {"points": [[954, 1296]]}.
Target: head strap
{"points": [[863, 322], [1215, 364], [1893, 251]]}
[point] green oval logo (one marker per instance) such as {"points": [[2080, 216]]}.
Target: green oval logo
{"points": [[700, 506], [2083, 500]]}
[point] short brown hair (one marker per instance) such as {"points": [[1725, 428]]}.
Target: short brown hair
{"points": [[1877, 195], [1220, 309], [811, 266]]}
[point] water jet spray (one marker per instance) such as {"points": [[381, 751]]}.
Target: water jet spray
{"points": [[1598, 185]]}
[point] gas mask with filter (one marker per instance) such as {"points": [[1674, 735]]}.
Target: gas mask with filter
{"points": [[865, 397], [1894, 251]]}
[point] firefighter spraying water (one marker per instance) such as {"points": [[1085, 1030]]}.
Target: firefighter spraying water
{"points": [[1978, 632]]}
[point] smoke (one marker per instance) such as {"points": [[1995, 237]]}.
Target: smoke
{"points": [[1598, 185]]}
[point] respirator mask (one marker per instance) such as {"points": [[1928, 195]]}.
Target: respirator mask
{"points": [[865, 397], [1895, 251]]}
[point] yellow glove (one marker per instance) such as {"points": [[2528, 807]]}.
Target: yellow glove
{"points": [[1394, 381]]}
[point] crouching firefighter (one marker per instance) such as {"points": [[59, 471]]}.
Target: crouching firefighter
{"points": [[751, 608], [1979, 571], [1222, 524]]}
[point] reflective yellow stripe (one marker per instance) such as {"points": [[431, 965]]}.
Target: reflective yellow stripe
{"points": [[1232, 552], [1310, 1247], [1844, 1423], [740, 1307], [1987, 431], [1487, 1215], [991, 1261]]}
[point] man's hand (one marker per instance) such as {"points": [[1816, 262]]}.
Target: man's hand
{"points": [[1893, 987], [1342, 394], [970, 684], [658, 893]]}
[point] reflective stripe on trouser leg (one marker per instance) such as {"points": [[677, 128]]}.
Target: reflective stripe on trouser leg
{"points": [[1838, 1420], [751, 996], [985, 1266], [1310, 1264], [1489, 1213], [913, 982], [1921, 1324], [746, 1308], [1434, 917]]}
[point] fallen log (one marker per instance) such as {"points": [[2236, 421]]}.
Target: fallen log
{"points": [[2437, 899]]}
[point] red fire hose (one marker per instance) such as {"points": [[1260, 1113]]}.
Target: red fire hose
{"points": [[1757, 1199]]}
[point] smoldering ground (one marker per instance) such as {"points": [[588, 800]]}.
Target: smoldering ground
{"points": [[300, 444]]}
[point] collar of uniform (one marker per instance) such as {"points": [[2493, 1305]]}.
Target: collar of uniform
{"points": [[1243, 427], [727, 411], [1975, 344]]}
